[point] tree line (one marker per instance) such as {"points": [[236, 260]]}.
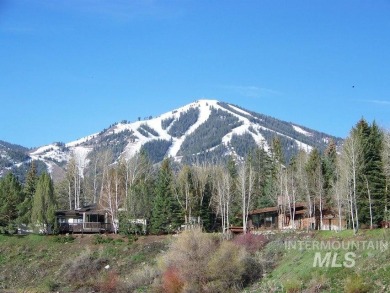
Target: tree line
{"points": [[351, 181]]}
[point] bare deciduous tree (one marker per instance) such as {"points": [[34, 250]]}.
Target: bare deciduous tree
{"points": [[222, 196], [246, 178], [112, 197], [200, 178], [351, 158]]}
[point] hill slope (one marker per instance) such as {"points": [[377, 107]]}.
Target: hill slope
{"points": [[109, 263]]}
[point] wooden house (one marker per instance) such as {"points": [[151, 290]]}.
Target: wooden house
{"points": [[265, 218], [88, 219], [299, 216]]}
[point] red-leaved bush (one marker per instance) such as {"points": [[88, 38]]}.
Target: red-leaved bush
{"points": [[171, 281], [110, 283], [250, 242]]}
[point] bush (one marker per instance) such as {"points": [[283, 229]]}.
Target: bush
{"points": [[110, 283], [200, 262], [171, 281], [132, 238], [251, 242], [99, 239], [51, 285], [355, 284], [292, 286], [85, 266], [253, 271], [142, 277], [318, 283], [189, 254], [226, 267], [63, 239]]}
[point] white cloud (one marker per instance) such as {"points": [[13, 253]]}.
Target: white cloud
{"points": [[378, 102]]}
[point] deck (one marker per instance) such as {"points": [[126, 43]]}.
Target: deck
{"points": [[86, 227]]}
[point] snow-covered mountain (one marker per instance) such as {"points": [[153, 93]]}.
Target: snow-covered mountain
{"points": [[201, 130]]}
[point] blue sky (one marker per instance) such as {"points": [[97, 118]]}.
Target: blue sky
{"points": [[71, 68]]}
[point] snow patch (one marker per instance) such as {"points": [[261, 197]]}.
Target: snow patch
{"points": [[81, 140], [300, 130], [240, 110]]}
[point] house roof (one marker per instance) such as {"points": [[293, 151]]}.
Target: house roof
{"points": [[263, 210], [90, 209]]}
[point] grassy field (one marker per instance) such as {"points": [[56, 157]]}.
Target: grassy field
{"points": [[100, 263]]}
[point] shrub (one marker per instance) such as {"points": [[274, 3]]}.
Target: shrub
{"points": [[63, 239], [253, 271], [292, 286], [251, 242], [355, 284], [132, 238], [226, 267], [171, 281], [85, 266], [99, 239], [318, 283], [200, 262], [142, 277], [110, 283], [189, 254], [51, 285]]}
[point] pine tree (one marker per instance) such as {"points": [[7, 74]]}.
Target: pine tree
{"points": [[371, 178], [278, 170], [314, 169], [44, 204], [235, 207], [329, 171], [263, 187], [29, 191], [10, 197], [362, 132], [386, 171], [207, 216], [166, 216], [374, 172]]}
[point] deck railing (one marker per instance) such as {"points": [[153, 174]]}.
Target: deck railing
{"points": [[86, 227]]}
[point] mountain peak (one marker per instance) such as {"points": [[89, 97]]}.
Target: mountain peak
{"points": [[202, 130]]}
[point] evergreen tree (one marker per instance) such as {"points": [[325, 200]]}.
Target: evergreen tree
{"points": [[329, 170], [375, 172], [386, 171], [278, 167], [235, 208], [29, 191], [140, 189], [263, 187], [207, 215], [44, 204], [166, 216], [10, 197], [362, 132], [314, 169], [371, 178]]}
